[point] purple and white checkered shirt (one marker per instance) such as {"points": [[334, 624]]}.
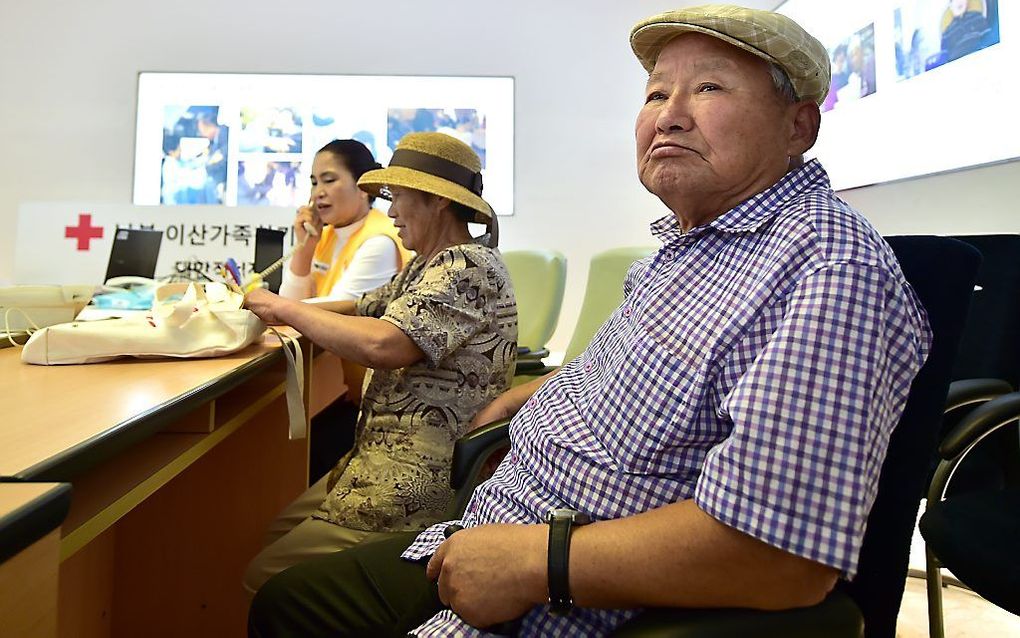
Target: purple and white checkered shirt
{"points": [[758, 365]]}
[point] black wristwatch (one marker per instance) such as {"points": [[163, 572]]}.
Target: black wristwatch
{"points": [[561, 524]]}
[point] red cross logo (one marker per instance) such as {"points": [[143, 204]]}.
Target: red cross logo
{"points": [[84, 232]]}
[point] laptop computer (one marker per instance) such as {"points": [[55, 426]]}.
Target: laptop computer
{"points": [[134, 253], [269, 248]]}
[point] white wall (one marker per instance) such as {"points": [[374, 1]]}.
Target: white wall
{"points": [[968, 202], [68, 79]]}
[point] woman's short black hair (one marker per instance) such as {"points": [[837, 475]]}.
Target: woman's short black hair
{"points": [[355, 157]]}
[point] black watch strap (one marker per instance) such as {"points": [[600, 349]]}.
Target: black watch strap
{"points": [[561, 525]]}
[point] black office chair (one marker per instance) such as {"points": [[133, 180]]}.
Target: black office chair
{"points": [[975, 533], [978, 452], [988, 363], [942, 272]]}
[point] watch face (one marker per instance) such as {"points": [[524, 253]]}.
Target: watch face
{"points": [[559, 514], [577, 518]]}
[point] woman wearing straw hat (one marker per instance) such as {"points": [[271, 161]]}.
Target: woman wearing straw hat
{"points": [[440, 343]]}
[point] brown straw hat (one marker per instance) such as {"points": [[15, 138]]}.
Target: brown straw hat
{"points": [[434, 163], [768, 35]]}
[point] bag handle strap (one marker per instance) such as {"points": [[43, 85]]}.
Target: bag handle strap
{"points": [[167, 290], [298, 421]]}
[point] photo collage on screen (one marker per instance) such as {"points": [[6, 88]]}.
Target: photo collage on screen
{"points": [[272, 142], [930, 33], [467, 125], [194, 166], [927, 34], [269, 157], [853, 68], [899, 68], [328, 124]]}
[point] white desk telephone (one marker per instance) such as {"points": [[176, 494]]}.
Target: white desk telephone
{"points": [[23, 306]]}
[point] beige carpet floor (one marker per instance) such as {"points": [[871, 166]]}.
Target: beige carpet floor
{"points": [[966, 615]]}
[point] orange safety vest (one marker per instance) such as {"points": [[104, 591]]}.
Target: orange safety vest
{"points": [[376, 223]]}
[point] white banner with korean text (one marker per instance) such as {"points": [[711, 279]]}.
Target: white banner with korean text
{"points": [[69, 243]]}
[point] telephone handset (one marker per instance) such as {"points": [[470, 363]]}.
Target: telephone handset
{"points": [[309, 226]]}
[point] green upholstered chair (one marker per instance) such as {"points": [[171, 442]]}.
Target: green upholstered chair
{"points": [[539, 277], [603, 294]]}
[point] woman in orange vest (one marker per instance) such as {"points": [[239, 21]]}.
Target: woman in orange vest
{"points": [[358, 249]]}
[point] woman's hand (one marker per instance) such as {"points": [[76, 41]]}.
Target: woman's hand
{"points": [[307, 215], [301, 261], [266, 305]]}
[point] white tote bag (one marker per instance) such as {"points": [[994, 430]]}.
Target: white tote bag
{"points": [[187, 320]]}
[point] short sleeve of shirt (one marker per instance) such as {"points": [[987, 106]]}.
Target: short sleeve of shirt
{"points": [[813, 413], [447, 305]]}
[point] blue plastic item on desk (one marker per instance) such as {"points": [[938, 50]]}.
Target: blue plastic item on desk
{"points": [[136, 299]]}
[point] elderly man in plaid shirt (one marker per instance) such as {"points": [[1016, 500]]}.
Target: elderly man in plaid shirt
{"points": [[725, 429]]}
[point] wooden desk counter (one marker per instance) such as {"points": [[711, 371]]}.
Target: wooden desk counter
{"points": [[59, 420], [30, 516], [178, 466]]}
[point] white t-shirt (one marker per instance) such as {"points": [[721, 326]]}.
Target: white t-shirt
{"points": [[374, 264]]}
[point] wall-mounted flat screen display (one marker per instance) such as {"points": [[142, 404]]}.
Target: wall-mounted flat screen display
{"points": [[249, 139], [918, 86]]}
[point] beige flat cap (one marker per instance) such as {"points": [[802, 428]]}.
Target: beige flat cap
{"points": [[768, 35]]}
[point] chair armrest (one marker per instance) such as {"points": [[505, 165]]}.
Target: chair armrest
{"points": [[469, 455], [971, 429], [532, 355], [538, 371], [835, 617], [983, 420], [471, 450], [969, 391], [530, 367]]}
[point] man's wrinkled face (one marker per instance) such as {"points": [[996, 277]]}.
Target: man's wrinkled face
{"points": [[713, 126]]}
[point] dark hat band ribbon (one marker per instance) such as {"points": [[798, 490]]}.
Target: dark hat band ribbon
{"points": [[439, 167]]}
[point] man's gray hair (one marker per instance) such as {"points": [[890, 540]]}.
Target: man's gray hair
{"points": [[785, 91], [781, 80]]}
